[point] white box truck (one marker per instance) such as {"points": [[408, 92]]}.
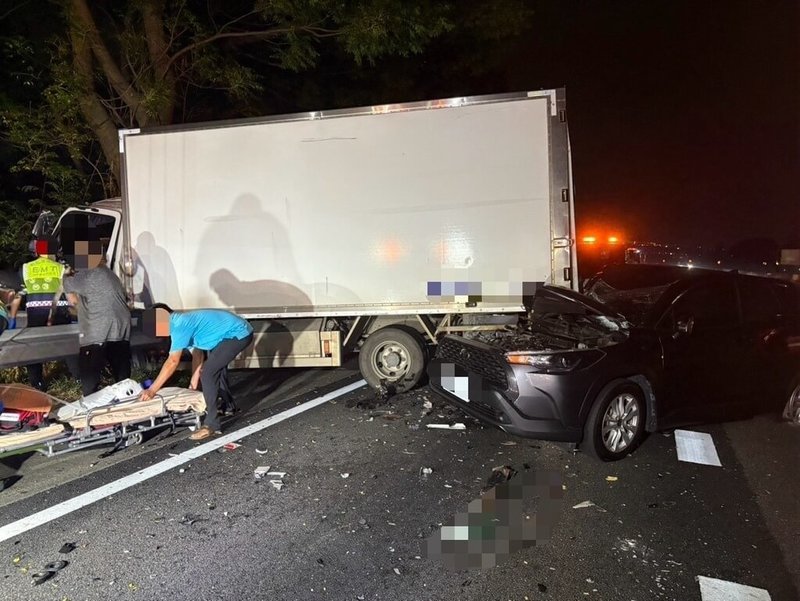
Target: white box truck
{"points": [[374, 229]]}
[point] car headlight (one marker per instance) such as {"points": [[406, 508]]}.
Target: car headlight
{"points": [[554, 363]]}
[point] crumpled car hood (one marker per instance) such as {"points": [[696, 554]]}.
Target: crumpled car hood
{"points": [[562, 320]]}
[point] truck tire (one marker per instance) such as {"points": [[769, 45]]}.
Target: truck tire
{"points": [[616, 423], [395, 356]]}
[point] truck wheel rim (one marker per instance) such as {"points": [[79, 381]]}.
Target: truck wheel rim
{"points": [[620, 422], [391, 361]]}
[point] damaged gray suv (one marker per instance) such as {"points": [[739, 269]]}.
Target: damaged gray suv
{"points": [[645, 348]]}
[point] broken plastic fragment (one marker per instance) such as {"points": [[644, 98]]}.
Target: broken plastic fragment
{"points": [[260, 452], [276, 474], [260, 471], [611, 478], [458, 426], [277, 484], [499, 475], [397, 571], [583, 505], [231, 446], [67, 548], [345, 475]]}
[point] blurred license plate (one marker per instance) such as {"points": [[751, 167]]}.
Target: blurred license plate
{"points": [[458, 385]]}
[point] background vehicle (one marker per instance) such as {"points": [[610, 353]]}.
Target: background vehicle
{"points": [[693, 346], [377, 229]]}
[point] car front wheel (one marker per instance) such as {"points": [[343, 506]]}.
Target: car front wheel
{"points": [[615, 425]]}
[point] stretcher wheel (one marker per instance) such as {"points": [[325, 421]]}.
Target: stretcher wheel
{"points": [[134, 438]]}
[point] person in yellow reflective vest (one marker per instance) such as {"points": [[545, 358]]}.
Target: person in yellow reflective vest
{"points": [[42, 279]]}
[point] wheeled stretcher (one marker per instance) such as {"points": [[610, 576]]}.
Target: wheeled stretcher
{"points": [[112, 419]]}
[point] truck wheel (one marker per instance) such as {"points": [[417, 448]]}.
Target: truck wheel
{"points": [[394, 356], [615, 425]]}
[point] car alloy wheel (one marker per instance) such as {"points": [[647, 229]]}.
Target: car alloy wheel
{"points": [[620, 422], [615, 425]]}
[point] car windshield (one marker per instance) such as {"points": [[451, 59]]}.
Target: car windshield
{"points": [[634, 304]]}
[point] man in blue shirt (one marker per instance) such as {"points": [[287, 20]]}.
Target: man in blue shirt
{"points": [[220, 333]]}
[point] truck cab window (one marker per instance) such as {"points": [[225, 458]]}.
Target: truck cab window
{"points": [[85, 226]]}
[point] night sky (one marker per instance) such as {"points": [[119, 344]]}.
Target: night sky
{"points": [[684, 116]]}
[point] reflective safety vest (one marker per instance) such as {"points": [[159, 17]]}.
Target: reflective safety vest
{"points": [[42, 279], [42, 276]]}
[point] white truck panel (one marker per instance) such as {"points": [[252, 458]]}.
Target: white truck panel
{"points": [[350, 210]]}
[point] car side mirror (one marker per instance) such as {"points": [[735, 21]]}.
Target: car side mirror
{"points": [[683, 327]]}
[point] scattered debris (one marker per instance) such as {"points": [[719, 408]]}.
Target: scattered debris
{"points": [[427, 407], [696, 447], [133, 587], [385, 392], [277, 474], [498, 476], [584, 505], [713, 588], [17, 558], [67, 548], [456, 426], [260, 471], [425, 471], [661, 504], [360, 597], [50, 570], [231, 446], [345, 475], [611, 478], [397, 571], [182, 470], [191, 518], [277, 484], [509, 443], [260, 452]]}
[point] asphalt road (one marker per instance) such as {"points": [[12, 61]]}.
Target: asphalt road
{"points": [[213, 531]]}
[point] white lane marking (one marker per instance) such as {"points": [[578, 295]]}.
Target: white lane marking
{"points": [[60, 510], [712, 589], [696, 447]]}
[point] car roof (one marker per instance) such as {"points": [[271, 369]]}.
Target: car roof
{"points": [[632, 276]]}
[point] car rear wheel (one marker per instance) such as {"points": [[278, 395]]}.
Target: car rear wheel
{"points": [[615, 425]]}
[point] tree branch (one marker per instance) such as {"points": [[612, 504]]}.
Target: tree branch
{"points": [[83, 15], [153, 18], [316, 32], [91, 106]]}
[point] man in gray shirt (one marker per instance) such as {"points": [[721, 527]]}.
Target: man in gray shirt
{"points": [[104, 319]]}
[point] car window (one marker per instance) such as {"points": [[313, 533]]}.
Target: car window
{"points": [[711, 305], [760, 303]]}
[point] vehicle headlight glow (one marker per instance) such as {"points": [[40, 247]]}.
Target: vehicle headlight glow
{"points": [[553, 363]]}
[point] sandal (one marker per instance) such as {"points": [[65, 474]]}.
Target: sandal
{"points": [[204, 432]]}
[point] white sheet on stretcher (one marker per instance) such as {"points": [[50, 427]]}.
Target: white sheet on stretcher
{"points": [[121, 391], [167, 400]]}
